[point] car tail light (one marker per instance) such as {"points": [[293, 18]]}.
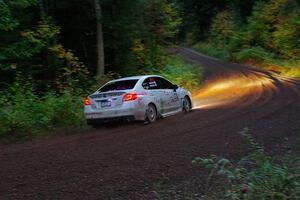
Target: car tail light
{"points": [[87, 101], [130, 97]]}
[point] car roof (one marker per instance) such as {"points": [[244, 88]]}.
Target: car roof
{"points": [[135, 77]]}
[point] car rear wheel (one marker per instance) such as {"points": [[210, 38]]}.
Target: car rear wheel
{"points": [[186, 105], [151, 114], [97, 124]]}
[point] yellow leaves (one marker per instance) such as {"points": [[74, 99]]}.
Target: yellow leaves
{"points": [[138, 46], [67, 55], [286, 36], [56, 48], [47, 29], [24, 33], [70, 57], [162, 20], [13, 66], [74, 67], [271, 11], [139, 51], [42, 31], [223, 23], [222, 27], [44, 28]]}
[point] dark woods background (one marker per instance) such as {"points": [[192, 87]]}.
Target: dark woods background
{"points": [[55, 41], [53, 52]]}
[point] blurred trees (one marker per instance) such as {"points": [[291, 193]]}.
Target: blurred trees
{"points": [[51, 50], [257, 30], [198, 16], [59, 43], [30, 48], [274, 27], [62, 43]]}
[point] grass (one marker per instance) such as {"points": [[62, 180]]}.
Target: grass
{"points": [[255, 176], [254, 56], [181, 73], [212, 50], [25, 114]]}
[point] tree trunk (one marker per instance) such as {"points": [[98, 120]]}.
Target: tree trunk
{"points": [[42, 10], [99, 36], [115, 61]]}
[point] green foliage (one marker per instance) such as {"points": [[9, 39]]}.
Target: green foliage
{"points": [[143, 57], [221, 31], [254, 54], [256, 176], [291, 71], [222, 28], [198, 15], [134, 32], [6, 20], [73, 74], [287, 38], [7, 11], [212, 50], [33, 47], [273, 26], [161, 24], [25, 56], [178, 72], [96, 82], [29, 47], [175, 69], [162, 20], [31, 43], [269, 37], [183, 74], [25, 114]]}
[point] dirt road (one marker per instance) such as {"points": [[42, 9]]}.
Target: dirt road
{"points": [[124, 162]]}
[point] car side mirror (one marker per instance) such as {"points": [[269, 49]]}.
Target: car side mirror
{"points": [[175, 87]]}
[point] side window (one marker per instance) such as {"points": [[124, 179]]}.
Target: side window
{"points": [[151, 84], [145, 84], [165, 84]]}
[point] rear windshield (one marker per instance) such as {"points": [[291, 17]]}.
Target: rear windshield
{"points": [[118, 85]]}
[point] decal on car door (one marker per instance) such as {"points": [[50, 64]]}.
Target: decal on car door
{"points": [[174, 97], [162, 106]]}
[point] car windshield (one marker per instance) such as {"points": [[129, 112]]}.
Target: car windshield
{"points": [[119, 85]]}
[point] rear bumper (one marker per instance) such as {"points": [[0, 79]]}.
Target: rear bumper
{"points": [[132, 112], [111, 119]]}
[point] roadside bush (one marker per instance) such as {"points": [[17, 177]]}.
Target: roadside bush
{"points": [[25, 114], [269, 37], [256, 54], [293, 71], [180, 73], [256, 176], [212, 50]]}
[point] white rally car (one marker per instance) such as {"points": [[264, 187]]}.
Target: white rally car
{"points": [[136, 98]]}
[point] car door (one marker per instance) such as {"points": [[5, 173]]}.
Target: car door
{"points": [[171, 96], [156, 93]]}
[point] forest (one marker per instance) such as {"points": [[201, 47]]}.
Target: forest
{"points": [[52, 53]]}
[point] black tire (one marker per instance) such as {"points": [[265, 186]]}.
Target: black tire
{"points": [[186, 105], [151, 114], [95, 123]]}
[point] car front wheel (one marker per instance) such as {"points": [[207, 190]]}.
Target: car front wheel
{"points": [[186, 105]]}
